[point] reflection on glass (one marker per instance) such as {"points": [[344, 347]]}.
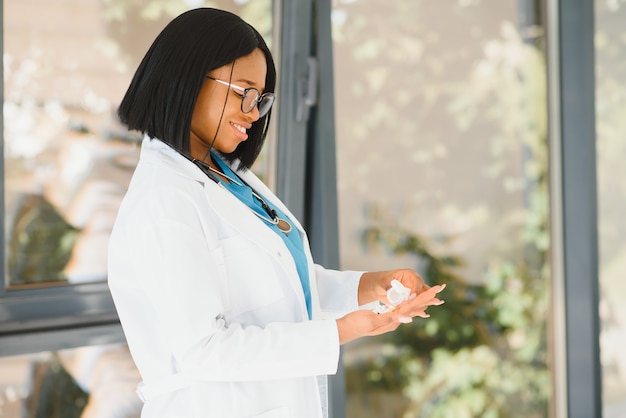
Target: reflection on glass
{"points": [[441, 131], [85, 382], [610, 44], [67, 161], [67, 164]]}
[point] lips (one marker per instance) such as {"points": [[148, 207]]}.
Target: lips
{"points": [[240, 130]]}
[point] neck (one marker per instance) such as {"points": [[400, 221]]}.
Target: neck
{"points": [[201, 152]]}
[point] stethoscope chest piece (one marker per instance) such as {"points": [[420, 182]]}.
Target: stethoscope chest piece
{"points": [[284, 226]]}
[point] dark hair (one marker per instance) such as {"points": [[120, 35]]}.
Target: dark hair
{"points": [[162, 94]]}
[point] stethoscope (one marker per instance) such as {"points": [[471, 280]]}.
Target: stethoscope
{"points": [[272, 216]]}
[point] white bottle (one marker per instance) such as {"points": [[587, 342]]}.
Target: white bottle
{"points": [[397, 293]]}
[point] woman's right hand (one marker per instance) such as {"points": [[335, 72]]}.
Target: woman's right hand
{"points": [[368, 323]]}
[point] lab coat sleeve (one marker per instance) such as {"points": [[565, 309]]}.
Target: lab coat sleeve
{"points": [[184, 284], [338, 291]]}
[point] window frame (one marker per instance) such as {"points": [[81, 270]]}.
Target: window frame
{"points": [[306, 164], [574, 214]]}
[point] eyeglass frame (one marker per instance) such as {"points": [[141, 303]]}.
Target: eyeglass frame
{"points": [[259, 99]]}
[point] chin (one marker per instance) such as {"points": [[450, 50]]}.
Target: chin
{"points": [[236, 146], [229, 149]]}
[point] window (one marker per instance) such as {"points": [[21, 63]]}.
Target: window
{"points": [[67, 160], [442, 166], [67, 163]]}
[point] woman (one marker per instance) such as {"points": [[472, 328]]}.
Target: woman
{"points": [[224, 311]]}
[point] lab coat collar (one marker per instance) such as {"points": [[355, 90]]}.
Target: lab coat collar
{"points": [[230, 209], [155, 150], [166, 155]]}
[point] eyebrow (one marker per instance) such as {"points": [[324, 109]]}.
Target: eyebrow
{"points": [[248, 82]]}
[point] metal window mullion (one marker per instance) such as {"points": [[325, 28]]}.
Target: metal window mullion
{"points": [[306, 172], [558, 348], [321, 197], [577, 195], [295, 45]]}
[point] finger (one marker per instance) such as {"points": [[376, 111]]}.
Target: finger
{"points": [[430, 302], [426, 304], [386, 326], [413, 282], [431, 292], [424, 288], [426, 298], [395, 320], [419, 303], [381, 294]]}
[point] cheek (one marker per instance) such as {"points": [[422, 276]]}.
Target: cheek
{"points": [[209, 108], [203, 114]]}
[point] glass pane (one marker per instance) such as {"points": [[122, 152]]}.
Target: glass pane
{"points": [[442, 162], [67, 163], [67, 160], [87, 382], [611, 148]]}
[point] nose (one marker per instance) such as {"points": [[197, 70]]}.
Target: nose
{"points": [[254, 114]]}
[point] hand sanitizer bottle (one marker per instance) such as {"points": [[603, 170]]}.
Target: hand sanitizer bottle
{"points": [[396, 294]]}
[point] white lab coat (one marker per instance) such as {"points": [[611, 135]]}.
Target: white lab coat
{"points": [[210, 300]]}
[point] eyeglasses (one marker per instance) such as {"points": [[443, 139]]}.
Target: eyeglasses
{"points": [[251, 97]]}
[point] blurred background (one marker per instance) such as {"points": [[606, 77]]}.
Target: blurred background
{"points": [[442, 160]]}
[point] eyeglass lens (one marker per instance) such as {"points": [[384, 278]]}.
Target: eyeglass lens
{"points": [[252, 97]]}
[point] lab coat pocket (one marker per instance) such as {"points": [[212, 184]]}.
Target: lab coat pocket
{"points": [[252, 278]]}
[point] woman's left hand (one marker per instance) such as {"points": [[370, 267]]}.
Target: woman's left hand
{"points": [[367, 323], [374, 285], [417, 304]]}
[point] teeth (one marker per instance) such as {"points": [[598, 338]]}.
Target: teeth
{"points": [[240, 128]]}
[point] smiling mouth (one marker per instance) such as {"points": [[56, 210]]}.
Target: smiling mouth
{"points": [[239, 128]]}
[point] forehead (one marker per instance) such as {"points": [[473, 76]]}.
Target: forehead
{"points": [[251, 68]]}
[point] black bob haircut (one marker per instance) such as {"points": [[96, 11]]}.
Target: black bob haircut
{"points": [[162, 94]]}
